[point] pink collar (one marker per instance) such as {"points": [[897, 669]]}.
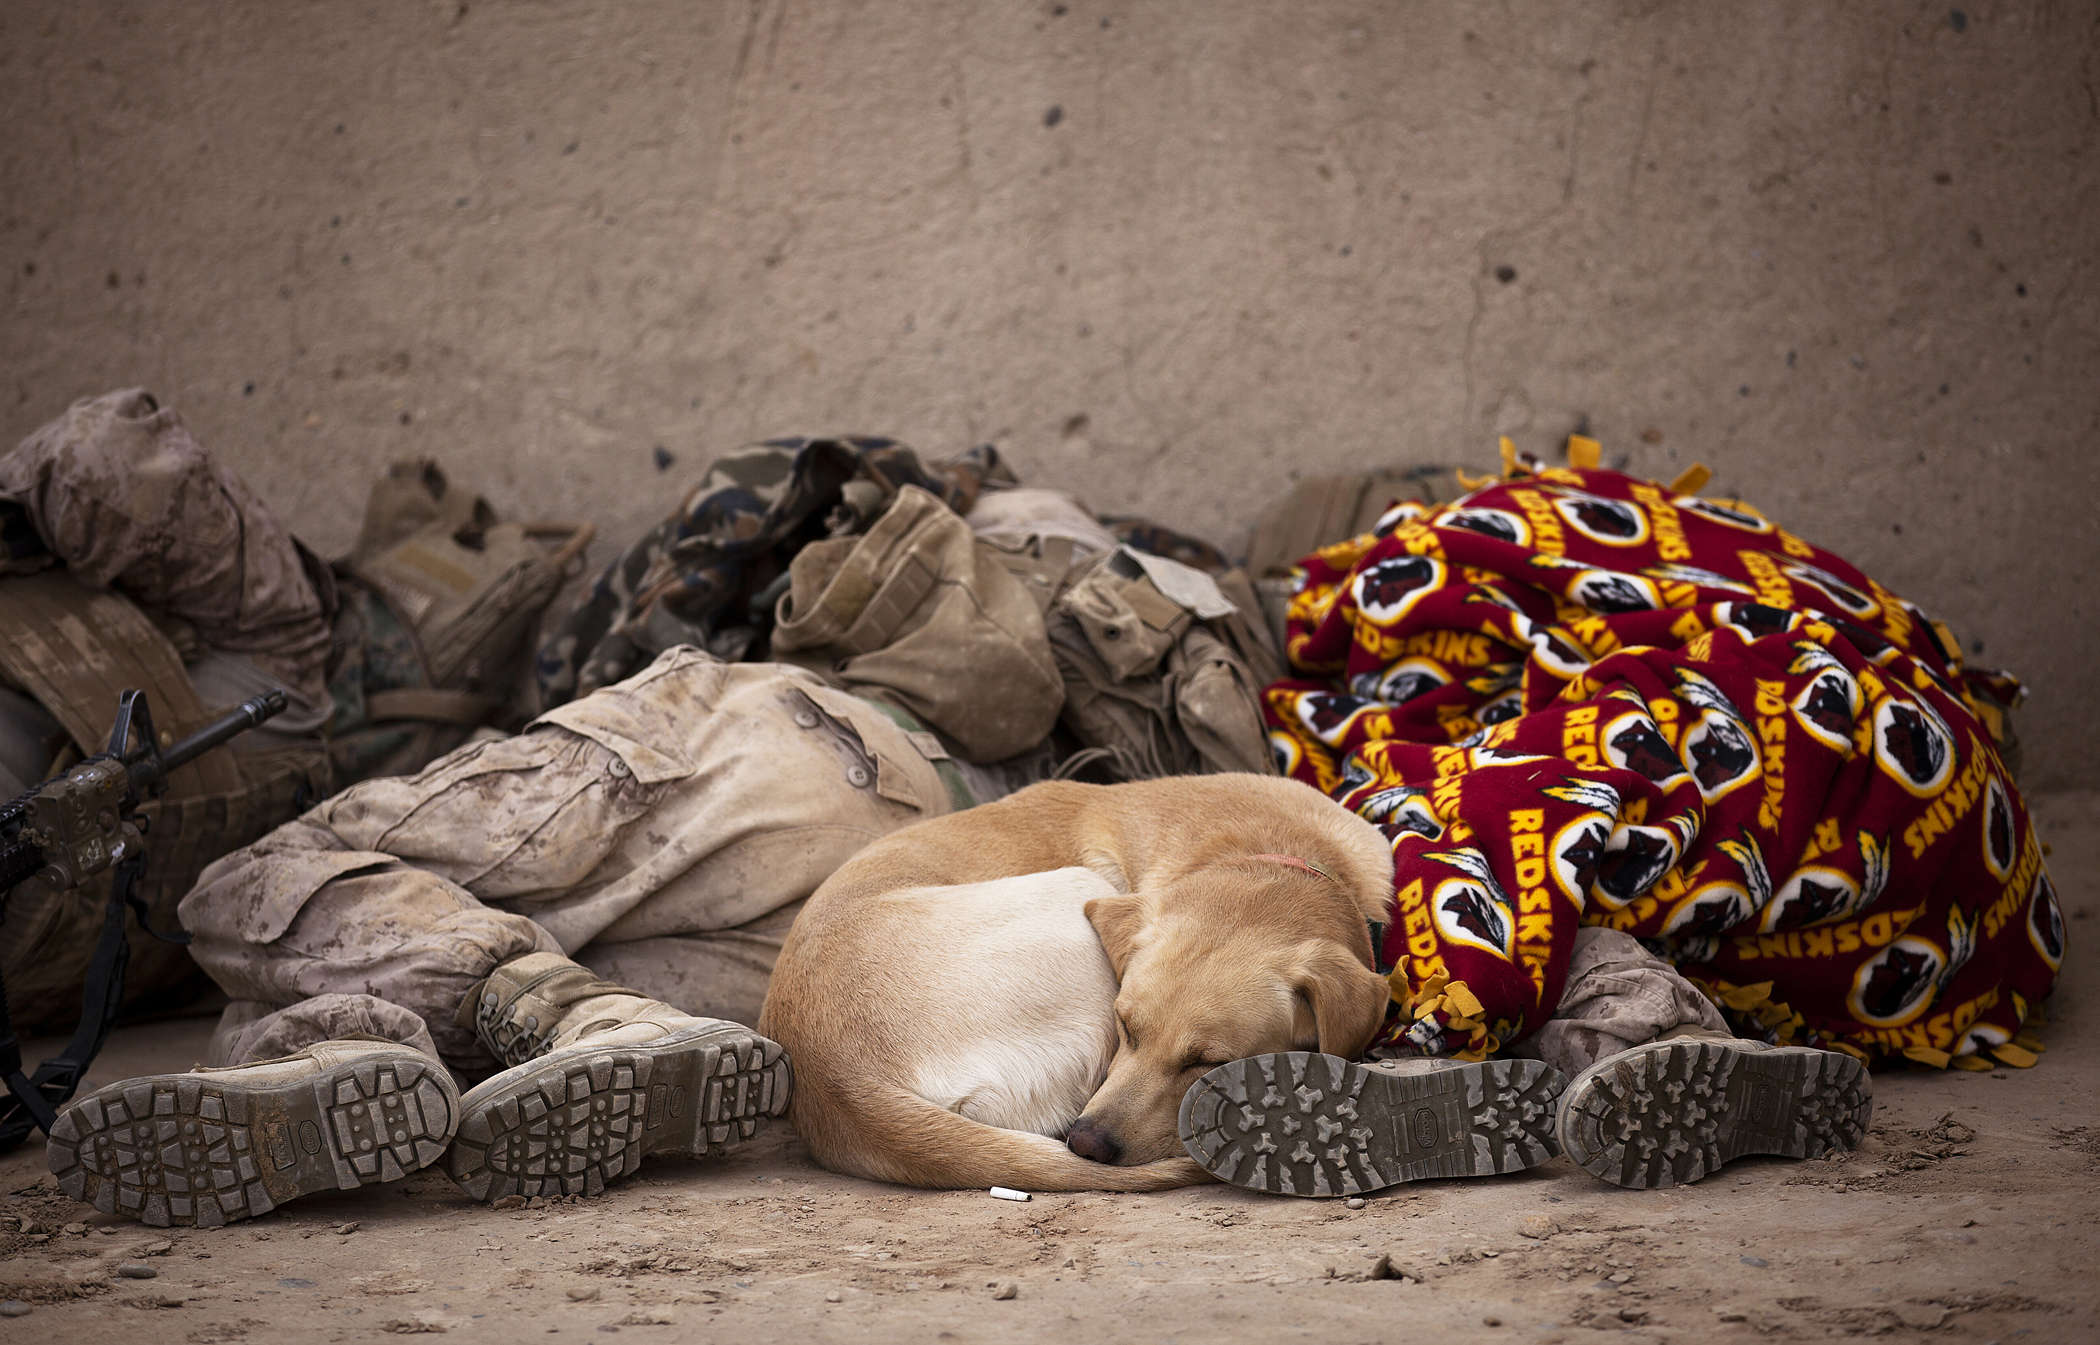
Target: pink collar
{"points": [[1294, 862]]}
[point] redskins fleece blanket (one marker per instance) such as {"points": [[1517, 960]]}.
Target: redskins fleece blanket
{"points": [[1576, 696]]}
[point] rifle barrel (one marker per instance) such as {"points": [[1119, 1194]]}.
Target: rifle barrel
{"points": [[247, 715], [22, 858]]}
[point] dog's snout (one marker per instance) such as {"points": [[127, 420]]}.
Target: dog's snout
{"points": [[1090, 1139]]}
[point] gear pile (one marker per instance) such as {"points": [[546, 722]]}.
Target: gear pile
{"points": [[1573, 696]]}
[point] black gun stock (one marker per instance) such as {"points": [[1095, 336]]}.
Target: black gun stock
{"points": [[63, 832]]}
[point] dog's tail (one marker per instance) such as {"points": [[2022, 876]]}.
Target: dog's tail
{"points": [[909, 1140]]}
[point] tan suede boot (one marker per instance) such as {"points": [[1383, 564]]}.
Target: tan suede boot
{"points": [[1675, 1109], [1300, 1124], [215, 1145], [599, 1078]]}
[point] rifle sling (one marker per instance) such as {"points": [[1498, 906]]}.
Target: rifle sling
{"points": [[35, 1099]]}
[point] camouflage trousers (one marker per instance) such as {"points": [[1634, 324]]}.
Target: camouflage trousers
{"points": [[662, 831], [1618, 995]]}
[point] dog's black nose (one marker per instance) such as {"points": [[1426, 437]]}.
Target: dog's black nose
{"points": [[1090, 1139]]}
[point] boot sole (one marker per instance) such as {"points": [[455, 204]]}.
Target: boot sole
{"points": [[203, 1150], [1674, 1111], [1301, 1124], [570, 1122]]}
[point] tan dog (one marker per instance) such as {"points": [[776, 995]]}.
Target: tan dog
{"points": [[1066, 962]]}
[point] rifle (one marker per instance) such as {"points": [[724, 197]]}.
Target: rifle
{"points": [[64, 832]]}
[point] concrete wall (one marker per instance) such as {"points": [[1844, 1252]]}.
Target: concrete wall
{"points": [[1167, 254]]}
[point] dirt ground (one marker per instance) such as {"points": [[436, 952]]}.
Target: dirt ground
{"points": [[1966, 1217]]}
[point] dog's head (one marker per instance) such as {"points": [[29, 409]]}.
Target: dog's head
{"points": [[1230, 960]]}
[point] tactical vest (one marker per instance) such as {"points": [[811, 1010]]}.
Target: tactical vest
{"points": [[439, 600], [74, 648]]}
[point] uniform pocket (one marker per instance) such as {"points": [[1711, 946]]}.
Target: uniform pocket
{"points": [[645, 720], [253, 895], [873, 752], [523, 814]]}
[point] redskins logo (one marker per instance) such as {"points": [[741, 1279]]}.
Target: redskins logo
{"points": [[1403, 681], [1479, 758], [1611, 591], [1401, 809], [1961, 944], [1979, 1039], [1406, 511], [1813, 896], [1466, 912], [2045, 921], [1329, 714], [1550, 647], [1500, 524], [1734, 513], [1755, 620], [1710, 912], [1286, 752], [1578, 851], [1849, 599], [1632, 742], [1913, 747], [1896, 984], [1872, 645], [1508, 705], [1721, 755], [1706, 695], [1612, 522], [1389, 590], [1634, 858], [1828, 707], [2000, 845], [1673, 573]]}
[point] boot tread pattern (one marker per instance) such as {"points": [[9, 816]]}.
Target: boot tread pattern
{"points": [[206, 1149], [1299, 1123], [1677, 1112], [574, 1121]]}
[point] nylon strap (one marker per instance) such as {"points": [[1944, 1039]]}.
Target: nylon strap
{"points": [[35, 1099]]}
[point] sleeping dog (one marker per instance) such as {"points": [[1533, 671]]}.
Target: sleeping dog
{"points": [[1022, 994]]}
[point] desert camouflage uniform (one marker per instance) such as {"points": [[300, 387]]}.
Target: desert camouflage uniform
{"points": [[662, 831]]}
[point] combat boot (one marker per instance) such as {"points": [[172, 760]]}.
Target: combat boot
{"points": [[215, 1145], [1676, 1109], [599, 1078], [1300, 1124]]}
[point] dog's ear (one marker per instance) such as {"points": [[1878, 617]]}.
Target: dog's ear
{"points": [[1348, 999], [1116, 922]]}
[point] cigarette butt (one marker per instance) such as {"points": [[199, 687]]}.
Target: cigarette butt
{"points": [[1008, 1193]]}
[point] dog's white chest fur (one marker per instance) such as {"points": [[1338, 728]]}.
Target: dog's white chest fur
{"points": [[1040, 1029]]}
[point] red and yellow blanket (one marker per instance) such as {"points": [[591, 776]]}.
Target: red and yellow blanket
{"points": [[1576, 696]]}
